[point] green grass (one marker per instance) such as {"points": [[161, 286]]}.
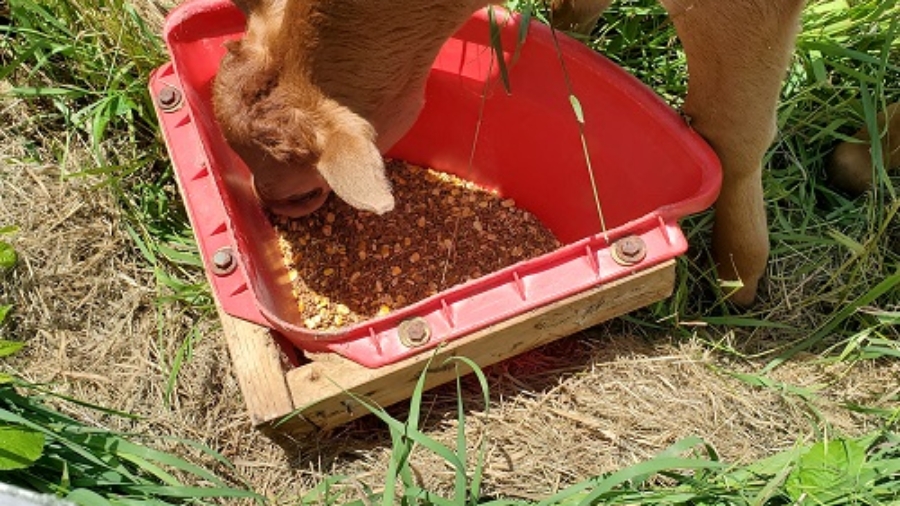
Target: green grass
{"points": [[833, 284], [51, 453]]}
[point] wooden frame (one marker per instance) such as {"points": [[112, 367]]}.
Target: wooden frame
{"points": [[275, 386]]}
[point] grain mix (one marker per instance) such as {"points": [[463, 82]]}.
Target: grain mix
{"points": [[348, 266]]}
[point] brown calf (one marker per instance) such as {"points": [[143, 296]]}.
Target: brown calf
{"points": [[317, 89]]}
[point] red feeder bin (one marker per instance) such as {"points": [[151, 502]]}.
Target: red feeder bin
{"points": [[650, 170]]}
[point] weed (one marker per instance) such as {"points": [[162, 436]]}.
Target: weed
{"points": [[8, 260]]}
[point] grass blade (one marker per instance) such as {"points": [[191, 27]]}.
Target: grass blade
{"points": [[497, 46]]}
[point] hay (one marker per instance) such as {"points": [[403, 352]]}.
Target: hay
{"points": [[607, 399]]}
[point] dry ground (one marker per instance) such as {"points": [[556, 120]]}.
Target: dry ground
{"points": [[86, 303]]}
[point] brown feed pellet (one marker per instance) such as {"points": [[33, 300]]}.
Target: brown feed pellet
{"points": [[348, 266]]}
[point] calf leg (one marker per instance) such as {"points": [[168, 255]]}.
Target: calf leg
{"points": [[850, 166], [737, 55]]}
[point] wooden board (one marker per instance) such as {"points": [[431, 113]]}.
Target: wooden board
{"points": [[315, 392]]}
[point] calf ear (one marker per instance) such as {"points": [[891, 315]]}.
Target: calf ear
{"points": [[352, 164]]}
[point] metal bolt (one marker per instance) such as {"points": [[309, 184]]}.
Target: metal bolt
{"points": [[414, 332], [223, 261], [629, 250], [169, 98]]}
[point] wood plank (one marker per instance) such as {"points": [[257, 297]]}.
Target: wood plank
{"points": [[317, 388], [257, 365]]}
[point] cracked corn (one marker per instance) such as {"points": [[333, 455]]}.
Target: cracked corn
{"points": [[348, 266]]}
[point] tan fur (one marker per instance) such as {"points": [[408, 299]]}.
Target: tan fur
{"points": [[850, 166], [277, 95], [737, 53], [277, 91], [578, 15]]}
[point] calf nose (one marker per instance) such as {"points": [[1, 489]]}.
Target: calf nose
{"points": [[298, 204], [304, 198]]}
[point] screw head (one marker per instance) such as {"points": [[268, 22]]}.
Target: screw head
{"points": [[169, 98], [414, 332], [223, 261], [629, 250]]}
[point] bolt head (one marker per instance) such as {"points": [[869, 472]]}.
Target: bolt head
{"points": [[223, 261], [169, 98], [630, 246], [629, 250], [414, 332]]}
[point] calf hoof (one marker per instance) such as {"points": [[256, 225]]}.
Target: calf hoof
{"points": [[741, 286], [744, 296]]}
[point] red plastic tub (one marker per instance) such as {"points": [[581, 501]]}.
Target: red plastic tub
{"points": [[650, 168]]}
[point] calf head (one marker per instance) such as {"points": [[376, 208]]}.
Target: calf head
{"points": [[298, 143], [316, 90]]}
